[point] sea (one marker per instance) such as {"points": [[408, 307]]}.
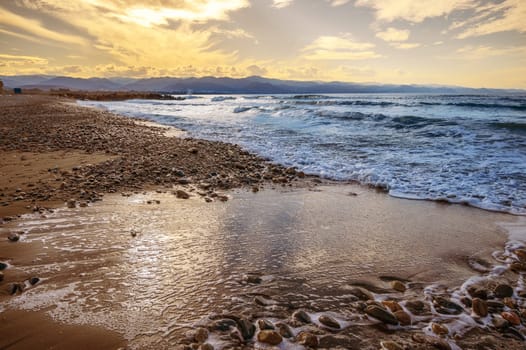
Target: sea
{"points": [[468, 149]]}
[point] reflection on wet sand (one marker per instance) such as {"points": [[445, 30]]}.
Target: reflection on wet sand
{"points": [[151, 271]]}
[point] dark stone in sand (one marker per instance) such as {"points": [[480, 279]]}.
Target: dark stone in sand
{"points": [[269, 337], [381, 314], [14, 288], [398, 286], [499, 322], [361, 293], [403, 317], [495, 305], [223, 324], [447, 307], [3, 266], [466, 301], [182, 194], [480, 307], [34, 280], [206, 346], [265, 324], [478, 292], [254, 279], [503, 291], [302, 316], [329, 321], [13, 237], [307, 339], [334, 341], [1, 276], [246, 328], [284, 330]]}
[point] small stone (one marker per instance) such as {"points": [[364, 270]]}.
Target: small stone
{"points": [[499, 322], [398, 286], [34, 280], [478, 292], [222, 198], [265, 324], [307, 339], [13, 237], [391, 345], [270, 337], [302, 316], [182, 194], [480, 307], [83, 204], [403, 317], [447, 307], [255, 189], [381, 314], [517, 266], [503, 291], [3, 266], [511, 317], [329, 321], [361, 293], [201, 334], [417, 307], [253, 279], [439, 329], [284, 330], [1, 276], [206, 346], [193, 150], [392, 305], [223, 324], [246, 328], [509, 302], [72, 203], [133, 233]]}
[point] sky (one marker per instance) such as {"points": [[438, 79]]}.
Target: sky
{"points": [[474, 43]]}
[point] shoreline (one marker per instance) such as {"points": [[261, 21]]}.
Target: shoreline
{"points": [[112, 143]]}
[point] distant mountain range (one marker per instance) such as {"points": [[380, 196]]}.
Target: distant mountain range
{"points": [[213, 85]]}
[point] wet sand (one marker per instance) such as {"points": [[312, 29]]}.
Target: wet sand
{"points": [[145, 270]]}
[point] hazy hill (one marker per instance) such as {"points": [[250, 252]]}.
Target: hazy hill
{"points": [[213, 85]]}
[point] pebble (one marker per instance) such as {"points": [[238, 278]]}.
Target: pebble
{"points": [[361, 293], [308, 339], [503, 291], [437, 343], [34, 280], [439, 329], [329, 321], [269, 337], [480, 307], [398, 286], [392, 305], [72, 203], [253, 279], [521, 254], [302, 316], [246, 328], [182, 194], [499, 322], [447, 307], [206, 346], [390, 345], [284, 330], [13, 237], [265, 324], [1, 276], [511, 317], [403, 317], [478, 292], [381, 314], [223, 324]]}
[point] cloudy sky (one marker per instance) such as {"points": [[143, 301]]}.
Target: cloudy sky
{"points": [[478, 43]]}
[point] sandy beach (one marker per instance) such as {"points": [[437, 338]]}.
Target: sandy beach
{"points": [[120, 234]]}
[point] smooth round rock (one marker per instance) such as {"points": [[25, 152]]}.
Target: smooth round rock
{"points": [[329, 321], [3, 266], [265, 324], [439, 329], [34, 280], [13, 237], [403, 317], [392, 305], [182, 194], [398, 286], [284, 330], [479, 307], [246, 328], [270, 337], [381, 314], [503, 291], [302, 316], [511, 317], [307, 339]]}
